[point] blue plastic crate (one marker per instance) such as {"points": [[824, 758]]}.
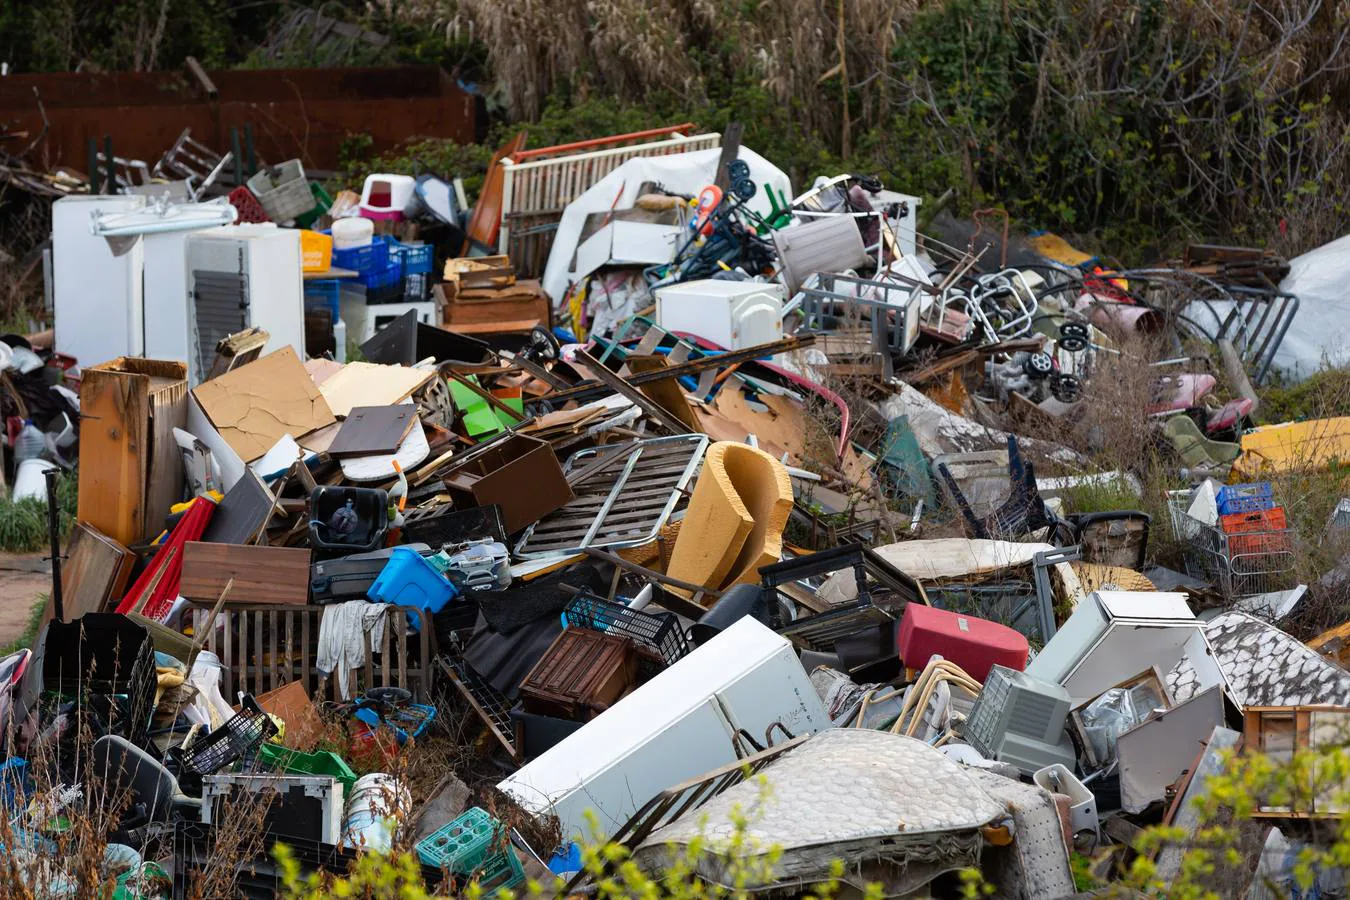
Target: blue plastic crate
{"points": [[462, 845], [417, 258], [1242, 498], [371, 257], [325, 292], [383, 276], [500, 871], [408, 722]]}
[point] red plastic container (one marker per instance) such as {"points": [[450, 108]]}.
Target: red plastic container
{"points": [[976, 645]]}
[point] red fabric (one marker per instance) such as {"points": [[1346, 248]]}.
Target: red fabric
{"points": [[189, 528]]}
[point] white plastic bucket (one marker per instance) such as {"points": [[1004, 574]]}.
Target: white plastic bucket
{"points": [[29, 481], [351, 232], [378, 801]]}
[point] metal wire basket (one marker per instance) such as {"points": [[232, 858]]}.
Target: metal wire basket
{"points": [[1238, 565]]}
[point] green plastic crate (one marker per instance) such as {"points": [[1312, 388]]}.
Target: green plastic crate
{"points": [[322, 203], [463, 845], [322, 762]]}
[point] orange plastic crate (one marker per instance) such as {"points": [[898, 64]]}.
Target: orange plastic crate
{"points": [[1272, 519]]}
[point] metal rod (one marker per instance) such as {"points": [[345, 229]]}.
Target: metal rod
{"points": [[92, 147], [110, 173], [54, 530]]}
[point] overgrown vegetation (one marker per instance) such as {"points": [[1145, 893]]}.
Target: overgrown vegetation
{"points": [[1133, 124], [23, 523]]}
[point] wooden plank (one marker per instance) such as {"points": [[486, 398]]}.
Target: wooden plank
{"points": [[261, 574], [114, 451], [373, 429], [368, 384], [164, 473], [652, 410], [96, 569], [258, 650]]}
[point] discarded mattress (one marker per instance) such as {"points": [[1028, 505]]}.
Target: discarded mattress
{"points": [[890, 807], [1263, 666]]}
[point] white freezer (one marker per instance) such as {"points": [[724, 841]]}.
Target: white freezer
{"points": [[1113, 636], [97, 297], [675, 727]]}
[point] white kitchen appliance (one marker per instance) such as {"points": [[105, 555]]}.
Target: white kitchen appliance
{"points": [[1111, 636], [677, 726], [241, 277], [97, 297], [731, 314]]}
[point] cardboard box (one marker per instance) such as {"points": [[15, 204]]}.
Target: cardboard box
{"points": [[520, 474]]}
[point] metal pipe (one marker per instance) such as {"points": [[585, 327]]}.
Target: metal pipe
{"points": [[54, 532]]}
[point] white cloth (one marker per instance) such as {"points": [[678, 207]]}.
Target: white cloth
{"points": [[342, 642]]}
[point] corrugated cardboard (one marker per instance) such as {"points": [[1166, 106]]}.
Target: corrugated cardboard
{"points": [[253, 406]]}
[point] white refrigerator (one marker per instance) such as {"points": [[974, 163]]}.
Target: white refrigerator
{"points": [[675, 727]]}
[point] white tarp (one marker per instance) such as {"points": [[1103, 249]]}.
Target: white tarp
{"points": [[684, 173], [1321, 330]]}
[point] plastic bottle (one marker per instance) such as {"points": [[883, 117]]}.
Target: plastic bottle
{"points": [[30, 443], [378, 801]]}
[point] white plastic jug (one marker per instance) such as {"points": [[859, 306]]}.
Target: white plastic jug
{"points": [[352, 232], [378, 801]]}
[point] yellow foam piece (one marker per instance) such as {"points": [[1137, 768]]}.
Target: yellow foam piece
{"points": [[1292, 447], [1052, 246], [735, 520]]}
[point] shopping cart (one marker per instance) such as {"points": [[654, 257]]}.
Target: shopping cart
{"points": [[1238, 565]]}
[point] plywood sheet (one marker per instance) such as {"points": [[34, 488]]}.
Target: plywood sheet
{"points": [[290, 703], [96, 569], [373, 429], [368, 384], [114, 452], [253, 407], [261, 574]]}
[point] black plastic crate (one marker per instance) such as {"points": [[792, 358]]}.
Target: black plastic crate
{"points": [[236, 738], [657, 631], [260, 876], [104, 663]]}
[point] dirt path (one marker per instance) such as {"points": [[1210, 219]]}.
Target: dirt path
{"points": [[23, 577]]}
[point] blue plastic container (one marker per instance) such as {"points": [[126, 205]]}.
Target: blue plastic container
{"points": [[325, 292], [1241, 498], [409, 580], [369, 257], [382, 276], [415, 258]]}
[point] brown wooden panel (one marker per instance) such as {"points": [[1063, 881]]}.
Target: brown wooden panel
{"points": [[373, 429], [261, 574], [96, 568]]}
